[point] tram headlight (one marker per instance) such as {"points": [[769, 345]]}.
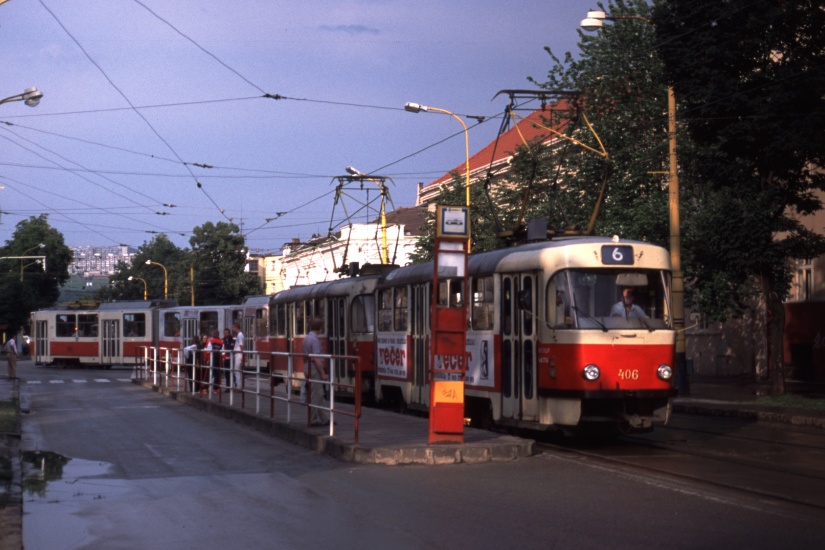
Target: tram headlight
{"points": [[591, 373], [665, 372]]}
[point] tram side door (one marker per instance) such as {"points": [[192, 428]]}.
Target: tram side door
{"points": [[110, 341], [419, 335], [249, 338], [190, 331], [337, 335], [519, 396], [41, 339]]}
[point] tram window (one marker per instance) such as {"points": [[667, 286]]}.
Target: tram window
{"points": [[525, 299], [208, 322], [237, 317], [450, 293], [260, 321], [299, 319], [558, 302], [385, 310], [318, 310], [134, 325], [401, 309], [483, 304], [65, 325], [171, 324], [506, 306], [362, 314], [87, 325], [279, 323]]}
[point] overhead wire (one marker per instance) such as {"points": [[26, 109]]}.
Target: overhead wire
{"points": [[129, 102]]}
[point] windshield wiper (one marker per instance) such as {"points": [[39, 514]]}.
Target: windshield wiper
{"points": [[583, 314]]}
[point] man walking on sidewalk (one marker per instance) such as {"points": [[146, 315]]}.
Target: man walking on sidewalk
{"points": [[237, 356], [314, 370], [11, 356]]}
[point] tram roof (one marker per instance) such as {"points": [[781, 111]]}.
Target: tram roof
{"points": [[363, 284], [136, 304], [259, 300], [486, 263]]}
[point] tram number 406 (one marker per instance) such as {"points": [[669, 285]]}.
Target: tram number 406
{"points": [[629, 374]]}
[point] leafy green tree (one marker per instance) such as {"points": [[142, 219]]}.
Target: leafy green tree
{"points": [[751, 83], [219, 258], [163, 251], [624, 95], [25, 285]]}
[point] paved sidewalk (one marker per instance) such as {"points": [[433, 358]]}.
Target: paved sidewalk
{"points": [[742, 397], [383, 437]]}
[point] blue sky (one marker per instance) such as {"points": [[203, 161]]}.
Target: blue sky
{"points": [[165, 85]]}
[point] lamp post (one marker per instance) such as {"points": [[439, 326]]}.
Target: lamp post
{"points": [[593, 22], [145, 291], [417, 108], [31, 97], [24, 266], [165, 277]]}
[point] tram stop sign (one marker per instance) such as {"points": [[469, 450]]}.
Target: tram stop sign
{"points": [[448, 349]]}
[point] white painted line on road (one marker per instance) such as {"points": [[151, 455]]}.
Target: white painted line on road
{"points": [[57, 381], [33, 381], [80, 381], [103, 380]]}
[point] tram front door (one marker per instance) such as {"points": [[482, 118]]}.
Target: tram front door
{"points": [[519, 398]]}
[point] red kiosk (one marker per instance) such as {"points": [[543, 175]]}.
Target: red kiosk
{"points": [[448, 322]]}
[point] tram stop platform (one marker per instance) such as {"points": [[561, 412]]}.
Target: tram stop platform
{"points": [[383, 437]]}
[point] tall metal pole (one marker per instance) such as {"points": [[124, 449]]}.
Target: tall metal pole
{"points": [[676, 251]]}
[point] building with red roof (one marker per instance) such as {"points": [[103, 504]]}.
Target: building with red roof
{"points": [[542, 125]]}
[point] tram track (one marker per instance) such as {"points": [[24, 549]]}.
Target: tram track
{"points": [[762, 480]]}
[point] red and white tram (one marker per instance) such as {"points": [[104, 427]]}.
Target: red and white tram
{"points": [[347, 307], [110, 334], [543, 348]]}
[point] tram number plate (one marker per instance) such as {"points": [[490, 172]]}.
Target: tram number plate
{"points": [[617, 255], [629, 374]]}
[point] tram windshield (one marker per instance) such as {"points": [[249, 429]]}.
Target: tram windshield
{"points": [[608, 299]]}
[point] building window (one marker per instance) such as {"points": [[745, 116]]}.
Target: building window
{"points": [[802, 289]]}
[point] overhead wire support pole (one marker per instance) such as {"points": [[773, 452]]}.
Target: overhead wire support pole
{"points": [[355, 175]]}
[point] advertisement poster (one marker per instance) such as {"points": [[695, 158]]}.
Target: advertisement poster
{"points": [[481, 367], [391, 356]]}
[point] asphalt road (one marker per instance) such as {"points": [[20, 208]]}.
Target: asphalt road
{"points": [[113, 465]]}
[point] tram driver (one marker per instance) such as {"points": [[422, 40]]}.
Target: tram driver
{"points": [[626, 308]]}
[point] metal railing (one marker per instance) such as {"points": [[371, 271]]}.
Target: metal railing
{"points": [[177, 370]]}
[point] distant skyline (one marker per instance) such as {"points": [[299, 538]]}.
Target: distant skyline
{"points": [[150, 103]]}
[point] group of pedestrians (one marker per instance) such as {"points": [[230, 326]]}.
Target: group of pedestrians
{"points": [[215, 354]]}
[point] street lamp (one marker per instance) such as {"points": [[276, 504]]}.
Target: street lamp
{"points": [[417, 108], [31, 96], [380, 183], [145, 291], [165, 277], [594, 21]]}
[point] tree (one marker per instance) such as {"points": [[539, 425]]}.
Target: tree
{"points": [[163, 251], [25, 285], [751, 82], [219, 259], [624, 95]]}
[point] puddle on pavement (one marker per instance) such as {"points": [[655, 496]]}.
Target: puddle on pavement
{"points": [[56, 490]]}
